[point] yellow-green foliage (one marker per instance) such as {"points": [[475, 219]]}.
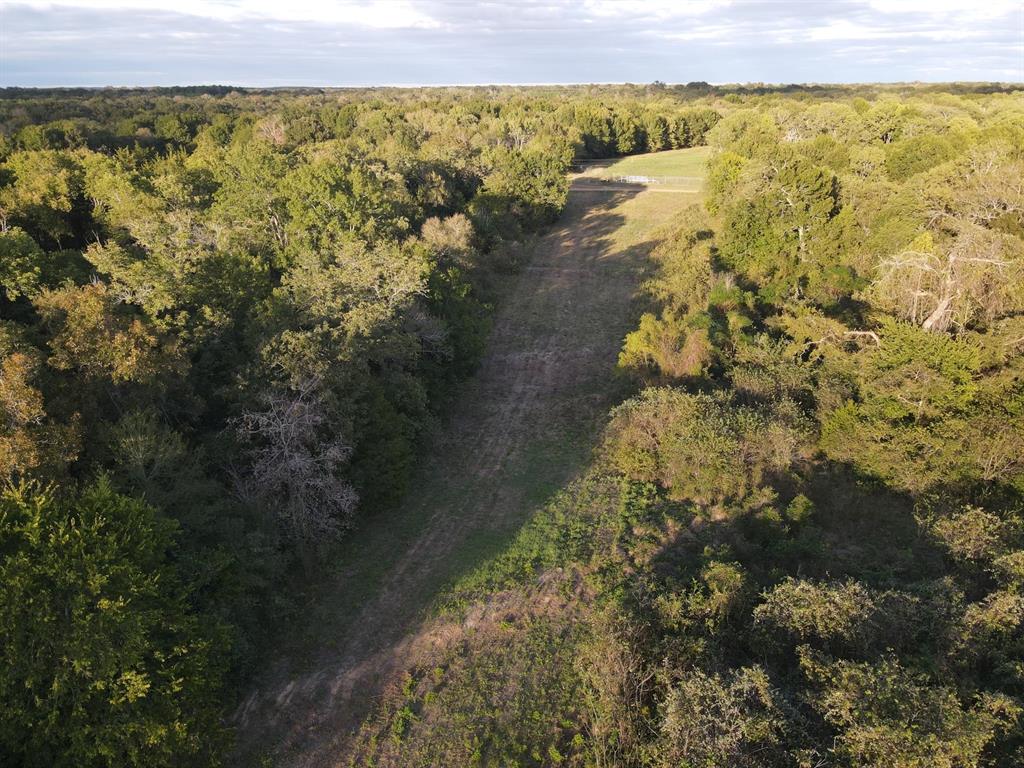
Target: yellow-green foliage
{"points": [[103, 664], [700, 448]]}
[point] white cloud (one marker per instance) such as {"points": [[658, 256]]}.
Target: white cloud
{"points": [[377, 14], [978, 9], [659, 9], [844, 29], [321, 42]]}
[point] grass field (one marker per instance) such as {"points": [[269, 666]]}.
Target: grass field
{"points": [[674, 164]]}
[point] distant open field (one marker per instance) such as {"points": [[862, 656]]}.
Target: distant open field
{"points": [[675, 168]]}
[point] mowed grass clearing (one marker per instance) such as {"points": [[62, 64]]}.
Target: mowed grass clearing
{"points": [[678, 168]]}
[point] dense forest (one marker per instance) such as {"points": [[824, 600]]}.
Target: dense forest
{"points": [[229, 318]]}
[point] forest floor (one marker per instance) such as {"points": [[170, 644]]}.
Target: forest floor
{"points": [[520, 429]]}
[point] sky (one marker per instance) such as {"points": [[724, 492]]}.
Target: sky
{"points": [[440, 42]]}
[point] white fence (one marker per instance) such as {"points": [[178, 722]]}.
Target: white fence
{"points": [[676, 180]]}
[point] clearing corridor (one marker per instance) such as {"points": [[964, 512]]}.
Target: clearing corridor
{"points": [[519, 430]]}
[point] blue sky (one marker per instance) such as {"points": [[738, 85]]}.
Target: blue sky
{"points": [[432, 42]]}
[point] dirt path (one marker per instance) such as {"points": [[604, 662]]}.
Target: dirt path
{"points": [[521, 428]]}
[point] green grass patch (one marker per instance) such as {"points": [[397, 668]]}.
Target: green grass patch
{"points": [[676, 163], [559, 533]]}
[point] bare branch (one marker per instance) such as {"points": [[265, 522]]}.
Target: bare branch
{"points": [[293, 466]]}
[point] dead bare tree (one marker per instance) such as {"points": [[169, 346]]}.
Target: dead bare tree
{"points": [[975, 278], [273, 130], [293, 468], [989, 186]]}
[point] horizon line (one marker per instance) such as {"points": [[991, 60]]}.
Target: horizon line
{"points": [[745, 84]]}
